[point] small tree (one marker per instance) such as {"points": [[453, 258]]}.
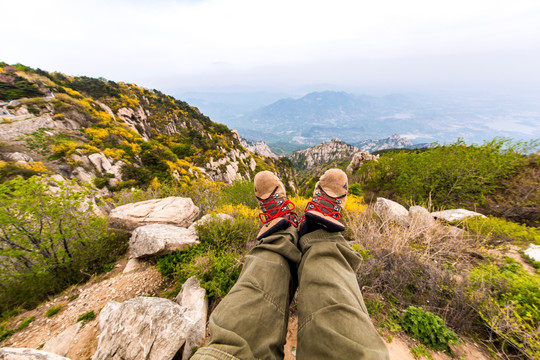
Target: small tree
{"points": [[49, 238]]}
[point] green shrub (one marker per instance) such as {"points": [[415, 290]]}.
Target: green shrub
{"points": [[216, 261], [53, 311], [427, 328], [240, 192], [445, 175], [5, 333], [25, 323], [18, 87], [87, 317], [510, 304], [50, 243], [356, 189], [419, 351], [500, 230]]}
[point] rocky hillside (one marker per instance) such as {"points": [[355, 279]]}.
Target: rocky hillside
{"points": [[393, 142], [115, 135], [258, 147], [322, 153]]}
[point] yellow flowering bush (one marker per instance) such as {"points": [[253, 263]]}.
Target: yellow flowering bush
{"points": [[114, 153], [97, 135], [239, 210]]}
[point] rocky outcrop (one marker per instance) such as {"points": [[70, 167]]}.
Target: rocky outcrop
{"points": [[393, 142], [259, 147], [159, 239], [322, 153], [193, 297], [100, 162], [453, 215], [231, 167], [173, 210], [143, 328], [81, 174], [15, 129], [17, 157], [27, 354], [137, 120], [359, 159]]}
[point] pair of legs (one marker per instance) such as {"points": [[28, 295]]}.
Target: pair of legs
{"points": [[251, 321]]}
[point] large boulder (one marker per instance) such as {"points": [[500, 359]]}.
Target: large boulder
{"points": [[61, 343], [173, 210], [420, 216], [143, 328], [27, 354], [159, 239], [193, 297], [390, 210], [453, 215]]}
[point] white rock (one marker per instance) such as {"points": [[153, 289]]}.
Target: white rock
{"points": [[452, 215], [82, 175], [61, 343], [193, 297], [100, 161], [133, 265], [420, 217], [17, 156], [116, 170], [158, 239], [143, 328], [28, 354], [82, 159], [173, 210], [533, 251], [391, 210]]}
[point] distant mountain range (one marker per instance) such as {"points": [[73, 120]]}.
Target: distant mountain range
{"points": [[320, 116]]}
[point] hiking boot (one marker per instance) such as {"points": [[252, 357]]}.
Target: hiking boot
{"points": [[277, 212], [324, 210]]}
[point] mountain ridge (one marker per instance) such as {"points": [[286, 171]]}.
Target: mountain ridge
{"points": [[142, 134]]}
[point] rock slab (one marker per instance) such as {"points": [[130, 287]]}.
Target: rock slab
{"points": [[143, 328], [173, 210], [61, 343], [193, 297], [421, 217], [159, 239], [453, 215], [27, 354]]}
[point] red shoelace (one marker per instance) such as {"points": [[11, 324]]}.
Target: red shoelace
{"points": [[332, 208], [274, 208]]}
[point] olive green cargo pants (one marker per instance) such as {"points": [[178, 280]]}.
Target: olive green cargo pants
{"points": [[333, 323]]}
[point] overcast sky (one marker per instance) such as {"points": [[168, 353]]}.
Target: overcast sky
{"points": [[281, 45]]}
